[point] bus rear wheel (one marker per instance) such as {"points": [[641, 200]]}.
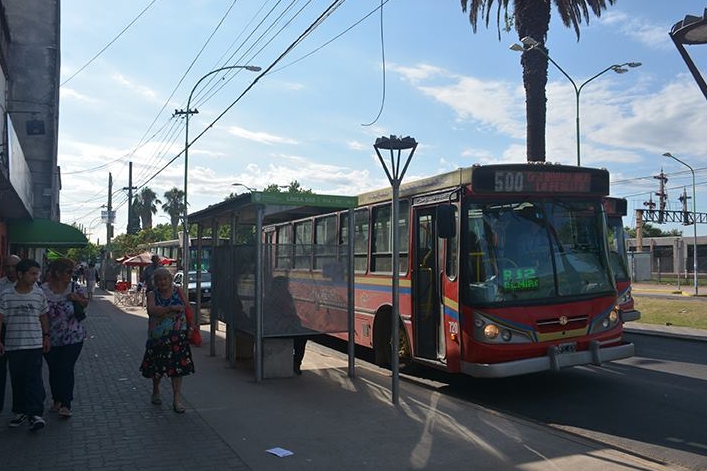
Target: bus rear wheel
{"points": [[382, 343]]}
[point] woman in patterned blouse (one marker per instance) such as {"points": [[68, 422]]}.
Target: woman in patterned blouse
{"points": [[65, 331]]}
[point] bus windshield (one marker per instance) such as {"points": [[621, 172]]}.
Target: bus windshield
{"points": [[533, 250]]}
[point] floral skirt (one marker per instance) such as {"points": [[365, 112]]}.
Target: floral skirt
{"points": [[167, 356]]}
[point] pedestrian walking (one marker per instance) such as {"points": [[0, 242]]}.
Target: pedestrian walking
{"points": [[24, 311], [66, 333], [167, 351], [91, 274], [6, 282]]}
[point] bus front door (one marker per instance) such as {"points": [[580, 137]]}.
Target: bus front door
{"points": [[425, 285]]}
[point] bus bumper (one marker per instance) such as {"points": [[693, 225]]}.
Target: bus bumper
{"points": [[553, 361], [632, 315]]}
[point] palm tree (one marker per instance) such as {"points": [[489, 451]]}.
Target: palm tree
{"points": [[174, 207], [532, 18], [145, 206]]}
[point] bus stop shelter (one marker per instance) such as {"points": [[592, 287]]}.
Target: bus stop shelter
{"points": [[243, 269]]}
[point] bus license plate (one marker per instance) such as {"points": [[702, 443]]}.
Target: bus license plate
{"points": [[569, 347]]}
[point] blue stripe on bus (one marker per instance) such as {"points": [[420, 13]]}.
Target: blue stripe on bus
{"points": [[453, 313], [381, 289]]}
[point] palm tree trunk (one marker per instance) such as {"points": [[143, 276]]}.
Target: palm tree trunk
{"points": [[533, 19]]}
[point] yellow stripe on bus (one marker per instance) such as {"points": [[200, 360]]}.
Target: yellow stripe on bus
{"points": [[560, 335], [380, 281], [450, 303]]}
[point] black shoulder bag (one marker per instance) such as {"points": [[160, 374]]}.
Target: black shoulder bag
{"points": [[79, 311]]}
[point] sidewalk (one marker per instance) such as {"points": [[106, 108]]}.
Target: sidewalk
{"points": [[329, 421]]}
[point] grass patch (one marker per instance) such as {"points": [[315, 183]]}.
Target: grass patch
{"points": [[679, 311]]}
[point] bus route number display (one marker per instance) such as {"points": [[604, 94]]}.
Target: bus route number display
{"points": [[541, 182], [520, 279]]}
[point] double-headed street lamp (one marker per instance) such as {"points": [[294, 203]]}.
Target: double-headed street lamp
{"points": [[530, 44], [694, 218], [188, 112], [395, 146]]}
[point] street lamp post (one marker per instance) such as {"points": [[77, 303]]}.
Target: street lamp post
{"points": [[250, 190], [530, 44], [694, 219], [692, 30], [395, 177], [188, 112]]}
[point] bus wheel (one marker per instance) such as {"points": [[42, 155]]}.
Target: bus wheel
{"points": [[381, 342]]}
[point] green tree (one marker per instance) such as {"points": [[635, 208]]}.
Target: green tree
{"points": [[650, 230], [84, 254], [532, 18], [174, 207], [145, 206]]}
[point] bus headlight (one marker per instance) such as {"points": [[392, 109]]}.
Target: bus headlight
{"points": [[614, 316], [491, 331], [494, 331]]}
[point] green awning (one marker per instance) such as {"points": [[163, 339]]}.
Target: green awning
{"points": [[45, 233]]}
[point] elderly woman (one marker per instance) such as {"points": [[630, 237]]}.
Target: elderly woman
{"points": [[167, 351], [66, 332]]}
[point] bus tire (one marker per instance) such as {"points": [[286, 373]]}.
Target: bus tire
{"points": [[382, 332]]}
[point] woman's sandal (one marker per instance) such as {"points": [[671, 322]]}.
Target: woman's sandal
{"points": [[179, 408], [156, 399]]}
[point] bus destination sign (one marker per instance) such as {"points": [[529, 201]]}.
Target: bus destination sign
{"points": [[512, 179]]}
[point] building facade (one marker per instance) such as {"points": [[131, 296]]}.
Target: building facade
{"points": [[30, 179]]}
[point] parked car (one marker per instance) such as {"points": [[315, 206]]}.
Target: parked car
{"points": [[191, 288]]}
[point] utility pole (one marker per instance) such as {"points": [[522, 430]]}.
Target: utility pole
{"points": [[131, 229], [109, 221], [662, 195], [107, 216], [186, 240]]}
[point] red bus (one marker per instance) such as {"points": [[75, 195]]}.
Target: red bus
{"points": [[504, 270], [615, 209]]}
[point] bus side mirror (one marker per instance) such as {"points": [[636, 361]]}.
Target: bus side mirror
{"points": [[445, 221]]}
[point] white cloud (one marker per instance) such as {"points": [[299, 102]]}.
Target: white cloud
{"points": [[356, 145], [259, 136], [492, 104], [71, 94], [140, 89], [641, 30]]}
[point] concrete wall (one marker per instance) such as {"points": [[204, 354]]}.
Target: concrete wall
{"points": [[33, 62]]}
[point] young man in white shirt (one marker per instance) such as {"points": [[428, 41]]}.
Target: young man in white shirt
{"points": [[6, 282], [24, 309]]}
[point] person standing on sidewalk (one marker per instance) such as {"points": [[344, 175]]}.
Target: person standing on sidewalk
{"points": [[167, 351], [91, 275], [66, 332], [6, 282], [24, 311], [148, 274]]}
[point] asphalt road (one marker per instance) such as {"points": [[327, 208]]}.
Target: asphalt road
{"points": [[653, 404]]}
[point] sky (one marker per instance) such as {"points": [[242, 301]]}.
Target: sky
{"points": [[314, 111]]}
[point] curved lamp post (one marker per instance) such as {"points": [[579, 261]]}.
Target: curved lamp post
{"points": [[188, 112], [530, 44], [694, 218], [690, 31], [395, 177], [250, 190]]}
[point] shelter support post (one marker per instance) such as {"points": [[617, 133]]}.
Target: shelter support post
{"points": [[259, 294], [350, 299]]}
